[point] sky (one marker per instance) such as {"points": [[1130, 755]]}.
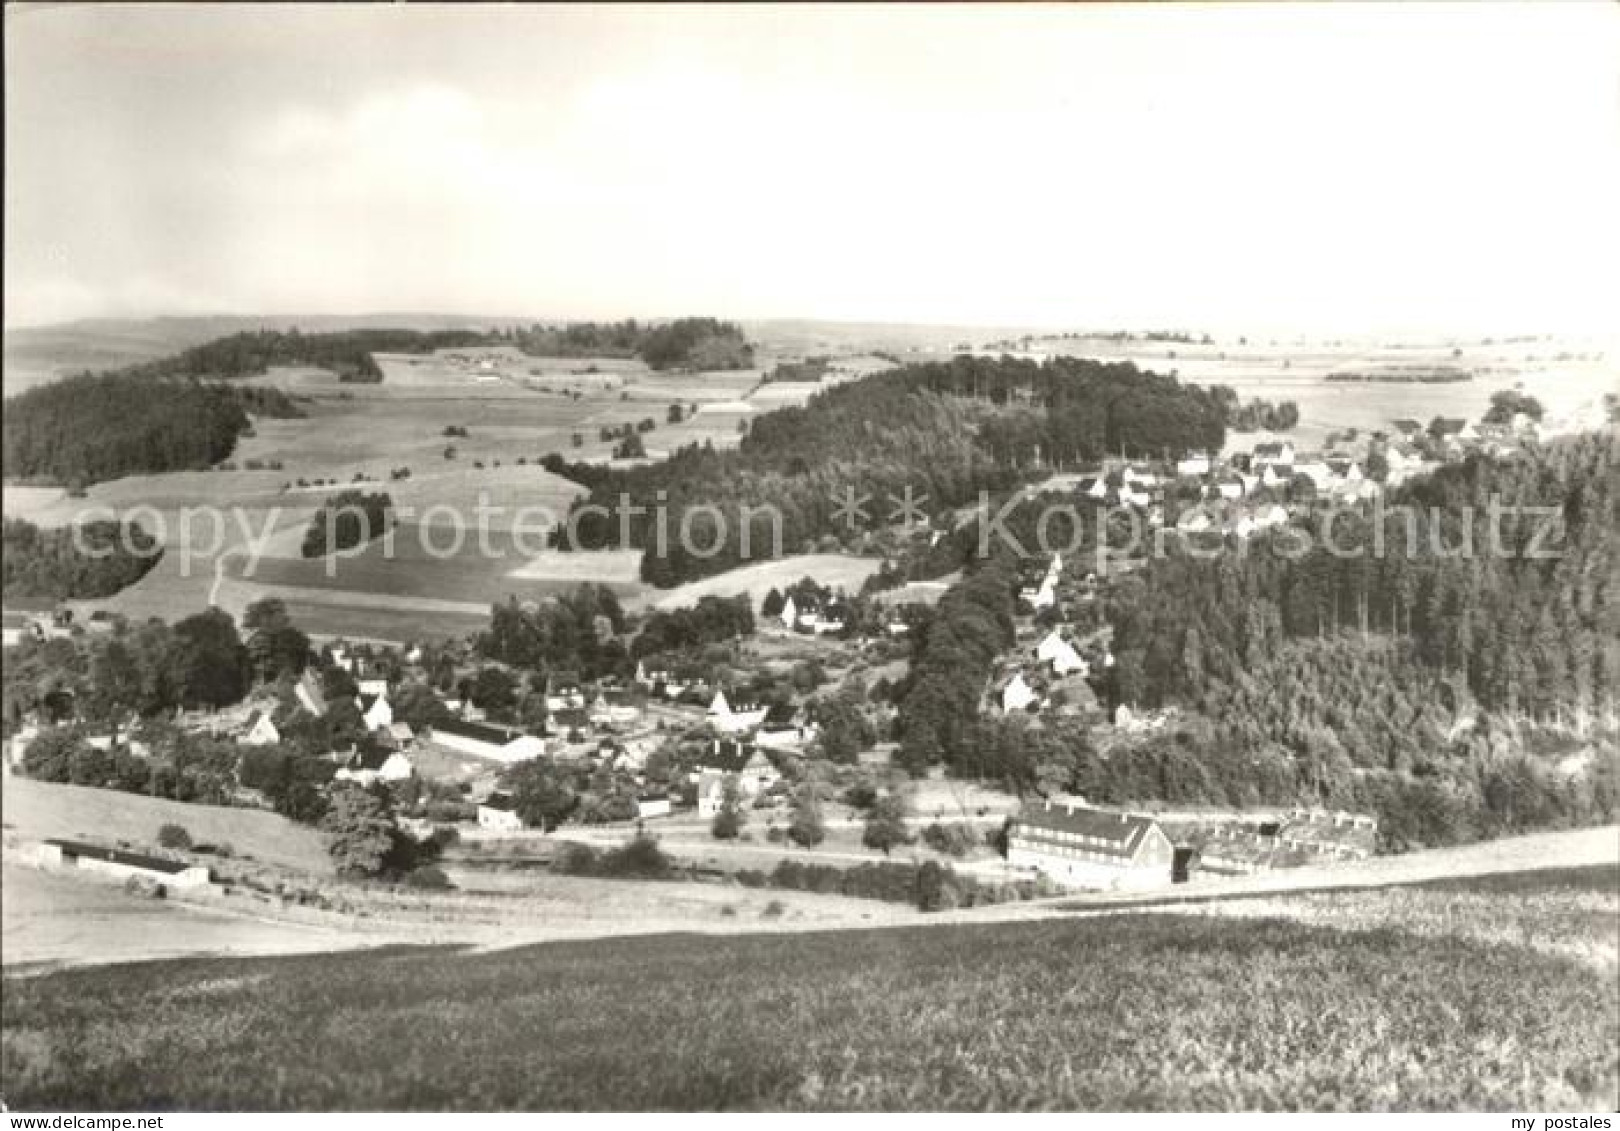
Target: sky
{"points": [[1314, 168]]}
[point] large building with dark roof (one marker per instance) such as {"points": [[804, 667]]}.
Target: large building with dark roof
{"points": [[1082, 847]]}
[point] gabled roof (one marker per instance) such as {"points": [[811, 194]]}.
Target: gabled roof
{"points": [[501, 802], [79, 849], [479, 732], [728, 757], [1117, 834], [310, 689]]}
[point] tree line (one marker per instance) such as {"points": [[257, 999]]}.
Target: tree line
{"points": [[42, 568], [93, 427]]}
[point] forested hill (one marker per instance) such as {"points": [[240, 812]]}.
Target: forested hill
{"points": [[1534, 627], [92, 427], [346, 353], [686, 343], [1456, 692], [944, 430]]}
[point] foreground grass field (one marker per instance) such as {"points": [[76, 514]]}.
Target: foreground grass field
{"points": [[1129, 1011]]}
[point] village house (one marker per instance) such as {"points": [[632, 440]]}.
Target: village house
{"points": [[711, 794], [375, 711], [1193, 466], [367, 767], [1041, 589], [1082, 847], [1060, 654], [564, 691], [1017, 695], [397, 735], [734, 718], [259, 730], [481, 740], [497, 814], [1228, 487], [755, 772], [613, 707], [652, 675], [784, 728], [309, 694], [119, 864], [652, 805]]}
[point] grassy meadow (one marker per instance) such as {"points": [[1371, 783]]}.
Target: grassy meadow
{"points": [[1163, 1011]]}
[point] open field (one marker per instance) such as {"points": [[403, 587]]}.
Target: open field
{"points": [[835, 570], [1167, 1011], [56, 919], [36, 810]]}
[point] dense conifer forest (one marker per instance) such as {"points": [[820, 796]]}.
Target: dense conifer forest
{"points": [[945, 431], [94, 427]]}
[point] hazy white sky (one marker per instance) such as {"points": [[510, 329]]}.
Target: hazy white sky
{"points": [[1345, 168]]}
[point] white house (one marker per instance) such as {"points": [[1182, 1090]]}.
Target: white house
{"points": [[734, 719], [365, 770], [496, 814], [653, 805], [376, 711], [755, 772], [711, 793], [1058, 652], [1016, 694], [260, 731], [1193, 466]]}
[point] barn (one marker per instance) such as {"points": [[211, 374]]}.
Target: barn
{"points": [[1082, 847], [119, 864]]}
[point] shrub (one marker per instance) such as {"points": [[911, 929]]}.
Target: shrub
{"points": [[175, 837], [639, 857], [574, 860], [773, 909], [953, 840], [430, 877]]}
